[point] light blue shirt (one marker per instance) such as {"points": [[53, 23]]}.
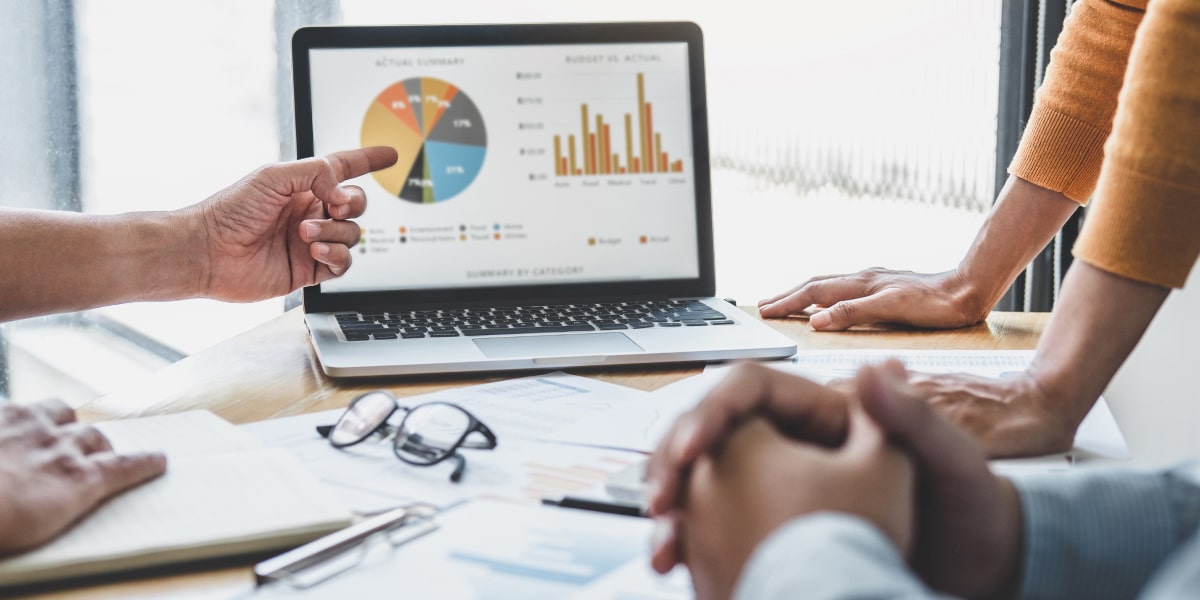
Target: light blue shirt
{"points": [[1088, 534]]}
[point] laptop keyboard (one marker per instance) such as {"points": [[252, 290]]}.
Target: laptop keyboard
{"points": [[512, 320]]}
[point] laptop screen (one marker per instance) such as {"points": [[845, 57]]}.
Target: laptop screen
{"points": [[519, 165]]}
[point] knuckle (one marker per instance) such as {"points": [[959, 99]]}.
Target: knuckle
{"points": [[338, 165], [17, 413], [845, 312], [72, 466], [269, 172], [746, 370], [91, 438]]}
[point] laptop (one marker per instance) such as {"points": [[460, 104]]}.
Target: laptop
{"points": [[550, 207]]}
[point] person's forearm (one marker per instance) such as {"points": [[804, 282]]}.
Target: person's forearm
{"points": [[1098, 320], [828, 555], [59, 261], [1100, 532], [1025, 218]]}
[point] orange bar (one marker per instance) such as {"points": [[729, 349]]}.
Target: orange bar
{"points": [[662, 156], [599, 145], [571, 150], [677, 167], [563, 167], [637, 167], [622, 170], [652, 150], [591, 164], [557, 154], [628, 139], [587, 158], [643, 139]]}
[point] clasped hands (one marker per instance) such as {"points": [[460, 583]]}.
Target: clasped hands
{"points": [[764, 447]]}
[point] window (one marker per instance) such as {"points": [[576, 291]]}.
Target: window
{"points": [[850, 135], [844, 137], [172, 101]]}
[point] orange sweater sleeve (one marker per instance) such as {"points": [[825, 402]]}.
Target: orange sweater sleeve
{"points": [[1062, 146], [1144, 223]]}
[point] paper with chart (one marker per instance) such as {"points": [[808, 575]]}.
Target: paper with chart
{"points": [[640, 426], [497, 550], [520, 412], [1098, 435]]}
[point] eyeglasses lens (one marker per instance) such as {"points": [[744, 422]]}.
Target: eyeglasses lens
{"points": [[430, 432], [363, 417]]}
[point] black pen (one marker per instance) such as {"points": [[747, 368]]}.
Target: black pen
{"points": [[612, 508]]}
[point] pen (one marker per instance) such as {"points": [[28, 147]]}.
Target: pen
{"points": [[612, 508], [320, 550]]}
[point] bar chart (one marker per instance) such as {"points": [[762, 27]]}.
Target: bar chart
{"points": [[592, 151]]}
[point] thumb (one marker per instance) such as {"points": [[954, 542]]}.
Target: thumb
{"points": [[864, 435], [901, 410]]}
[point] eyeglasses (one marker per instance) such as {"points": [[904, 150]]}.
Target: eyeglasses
{"points": [[427, 435]]}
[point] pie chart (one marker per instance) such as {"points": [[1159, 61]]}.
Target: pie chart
{"points": [[437, 132]]}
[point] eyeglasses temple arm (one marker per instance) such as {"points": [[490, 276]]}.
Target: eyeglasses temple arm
{"points": [[477, 445]]}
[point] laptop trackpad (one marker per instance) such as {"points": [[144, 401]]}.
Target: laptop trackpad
{"points": [[534, 346]]}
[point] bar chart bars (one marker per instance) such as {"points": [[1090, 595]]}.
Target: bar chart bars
{"points": [[592, 151]]}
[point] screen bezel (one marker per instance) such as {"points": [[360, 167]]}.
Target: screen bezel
{"points": [[316, 38]]}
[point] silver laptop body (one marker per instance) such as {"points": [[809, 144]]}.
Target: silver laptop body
{"points": [[550, 207]]}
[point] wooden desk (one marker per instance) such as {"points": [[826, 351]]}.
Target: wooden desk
{"points": [[271, 371]]}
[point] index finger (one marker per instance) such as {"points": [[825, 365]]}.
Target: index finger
{"points": [[782, 295], [825, 292], [326, 173], [801, 408], [119, 472], [57, 411]]}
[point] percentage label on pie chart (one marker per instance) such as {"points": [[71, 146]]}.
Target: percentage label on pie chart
{"points": [[437, 132]]}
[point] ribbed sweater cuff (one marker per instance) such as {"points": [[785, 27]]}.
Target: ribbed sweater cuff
{"points": [[1060, 153], [1142, 228]]}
